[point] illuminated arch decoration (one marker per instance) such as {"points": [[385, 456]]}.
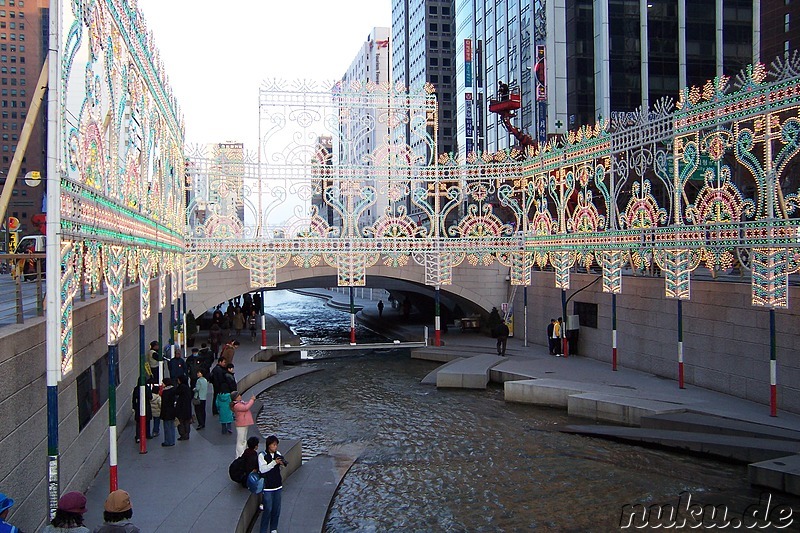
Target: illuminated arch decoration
{"points": [[69, 285]]}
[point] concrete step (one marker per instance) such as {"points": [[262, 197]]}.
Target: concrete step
{"points": [[549, 392], [744, 449], [782, 473], [430, 379], [620, 409], [705, 423], [471, 373]]}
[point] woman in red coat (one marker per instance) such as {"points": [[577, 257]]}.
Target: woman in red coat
{"points": [[243, 419]]}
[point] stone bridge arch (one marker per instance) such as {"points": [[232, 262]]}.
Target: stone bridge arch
{"points": [[476, 289]]}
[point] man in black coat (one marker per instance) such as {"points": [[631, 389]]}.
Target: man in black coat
{"points": [[168, 412], [183, 408], [217, 380]]}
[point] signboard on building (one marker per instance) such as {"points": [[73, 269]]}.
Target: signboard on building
{"points": [[468, 62], [468, 114], [540, 74]]}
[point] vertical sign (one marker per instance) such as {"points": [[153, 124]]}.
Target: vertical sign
{"points": [[468, 121], [468, 62], [479, 120], [541, 94], [479, 63]]}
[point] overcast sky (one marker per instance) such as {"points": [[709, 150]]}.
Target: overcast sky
{"points": [[216, 54]]}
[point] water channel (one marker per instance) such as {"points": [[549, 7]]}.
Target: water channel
{"points": [[455, 460]]}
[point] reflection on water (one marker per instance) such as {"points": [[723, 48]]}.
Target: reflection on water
{"points": [[454, 460]]}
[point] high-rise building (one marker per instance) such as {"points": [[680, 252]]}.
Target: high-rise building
{"points": [[493, 45], [422, 52], [780, 28], [364, 128], [23, 46], [575, 61]]}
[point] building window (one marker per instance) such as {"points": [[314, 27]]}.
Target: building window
{"points": [[434, 26], [786, 23]]}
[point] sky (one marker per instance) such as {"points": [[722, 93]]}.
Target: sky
{"points": [[217, 54]]}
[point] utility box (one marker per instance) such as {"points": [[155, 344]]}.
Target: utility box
{"points": [[573, 322]]}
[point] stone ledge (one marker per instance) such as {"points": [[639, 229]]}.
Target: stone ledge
{"points": [[619, 409]]}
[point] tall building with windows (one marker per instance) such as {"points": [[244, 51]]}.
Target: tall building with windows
{"points": [[493, 44], [363, 128], [576, 60], [780, 28], [422, 52], [23, 46]]}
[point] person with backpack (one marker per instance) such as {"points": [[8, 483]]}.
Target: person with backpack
{"points": [[241, 467], [269, 464]]}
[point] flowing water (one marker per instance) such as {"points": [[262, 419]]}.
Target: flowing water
{"points": [[456, 460]]}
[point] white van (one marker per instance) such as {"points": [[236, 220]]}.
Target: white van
{"points": [[36, 244]]}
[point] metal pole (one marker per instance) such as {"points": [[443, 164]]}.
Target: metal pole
{"points": [[142, 384], [525, 313], [53, 248], [437, 339], [773, 371], [613, 331], [564, 342], [160, 346], [263, 323], [680, 343], [113, 353], [352, 316]]}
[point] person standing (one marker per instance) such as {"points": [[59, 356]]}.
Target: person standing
{"points": [[200, 396], [550, 328], [155, 408], [153, 358], [218, 381], [192, 366], [215, 337], [117, 514], [5, 507], [269, 464], [168, 412], [148, 410], [243, 419], [177, 367], [238, 322], [380, 308], [206, 359], [224, 400], [69, 515], [183, 407], [557, 337]]}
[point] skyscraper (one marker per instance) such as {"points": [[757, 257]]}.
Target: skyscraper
{"points": [[422, 52], [23, 45]]}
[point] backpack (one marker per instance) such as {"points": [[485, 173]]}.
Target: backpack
{"points": [[238, 470], [255, 483]]}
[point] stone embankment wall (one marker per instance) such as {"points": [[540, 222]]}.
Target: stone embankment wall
{"points": [[725, 338]]}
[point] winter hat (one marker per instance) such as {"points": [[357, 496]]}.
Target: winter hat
{"points": [[73, 502], [118, 501], [5, 502]]}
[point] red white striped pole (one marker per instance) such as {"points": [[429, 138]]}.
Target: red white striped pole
{"points": [[437, 339], [113, 352], [773, 367], [352, 316], [613, 331], [263, 331]]}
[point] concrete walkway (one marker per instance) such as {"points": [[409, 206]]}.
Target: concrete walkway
{"points": [[186, 487]]}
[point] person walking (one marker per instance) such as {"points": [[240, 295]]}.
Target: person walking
{"points": [[215, 337], [69, 515], [117, 514], [251, 323], [168, 412], [502, 338], [229, 350], [183, 407], [550, 328], [269, 464], [199, 400], [243, 419], [380, 308]]}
